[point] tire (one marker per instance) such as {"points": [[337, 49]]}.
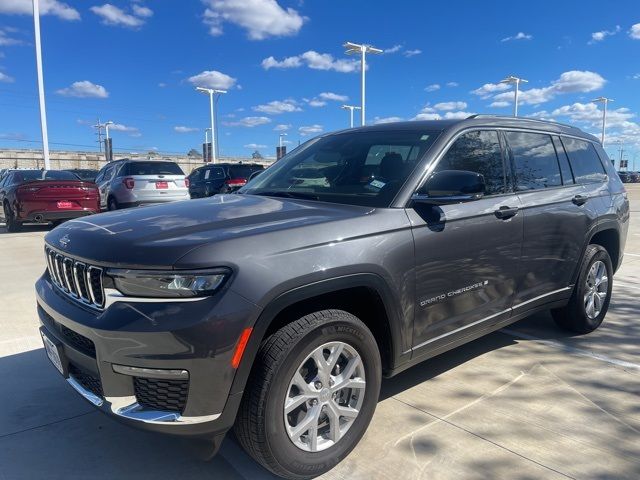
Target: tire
{"points": [[10, 222], [262, 427], [112, 204], [577, 316]]}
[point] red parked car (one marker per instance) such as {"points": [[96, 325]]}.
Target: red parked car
{"points": [[44, 196]]}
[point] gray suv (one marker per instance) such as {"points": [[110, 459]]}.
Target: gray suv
{"points": [[279, 309], [132, 183]]}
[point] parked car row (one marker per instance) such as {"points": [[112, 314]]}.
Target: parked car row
{"points": [[629, 177]]}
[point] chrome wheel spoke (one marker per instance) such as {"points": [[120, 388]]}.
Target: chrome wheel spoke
{"points": [[597, 289], [356, 382], [294, 402], [309, 422], [334, 422]]}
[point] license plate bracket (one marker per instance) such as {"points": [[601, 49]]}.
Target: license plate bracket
{"points": [[53, 349], [162, 185]]}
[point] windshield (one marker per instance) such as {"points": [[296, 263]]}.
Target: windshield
{"points": [[358, 168], [28, 175]]}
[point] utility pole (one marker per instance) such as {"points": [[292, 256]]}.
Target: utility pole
{"points": [[351, 108], [516, 81], [212, 92], [99, 126], [43, 110], [605, 101], [353, 49]]}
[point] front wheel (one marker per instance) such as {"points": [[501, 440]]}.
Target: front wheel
{"points": [[311, 394], [591, 295], [10, 220], [112, 204]]}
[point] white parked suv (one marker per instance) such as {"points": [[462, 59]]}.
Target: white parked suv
{"points": [[131, 183]]}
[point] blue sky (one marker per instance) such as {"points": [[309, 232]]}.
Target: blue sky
{"points": [[137, 63]]}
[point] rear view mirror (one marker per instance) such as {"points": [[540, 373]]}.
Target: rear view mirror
{"points": [[451, 186]]}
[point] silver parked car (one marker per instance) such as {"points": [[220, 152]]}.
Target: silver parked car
{"points": [[131, 183]]}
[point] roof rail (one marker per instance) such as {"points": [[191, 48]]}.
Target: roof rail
{"points": [[529, 119]]}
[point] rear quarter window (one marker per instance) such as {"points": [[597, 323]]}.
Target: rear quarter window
{"points": [[585, 162]]}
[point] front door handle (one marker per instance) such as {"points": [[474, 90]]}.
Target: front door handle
{"points": [[504, 212], [579, 200]]}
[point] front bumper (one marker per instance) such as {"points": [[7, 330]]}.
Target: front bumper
{"points": [[162, 366]]}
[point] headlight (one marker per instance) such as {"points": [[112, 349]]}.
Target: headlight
{"points": [[180, 284]]}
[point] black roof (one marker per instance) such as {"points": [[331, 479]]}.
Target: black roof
{"points": [[477, 121]]}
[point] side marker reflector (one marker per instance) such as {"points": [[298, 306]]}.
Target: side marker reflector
{"points": [[242, 344]]}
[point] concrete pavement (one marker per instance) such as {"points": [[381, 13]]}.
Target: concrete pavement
{"points": [[528, 402]]}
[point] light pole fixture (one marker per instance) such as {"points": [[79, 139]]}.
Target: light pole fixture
{"points": [[106, 128], [43, 110], [354, 49], [211, 92], [604, 101], [515, 81], [280, 139], [351, 108]]}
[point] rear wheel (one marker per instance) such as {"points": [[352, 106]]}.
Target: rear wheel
{"points": [[591, 295], [311, 394], [112, 204], [10, 220]]}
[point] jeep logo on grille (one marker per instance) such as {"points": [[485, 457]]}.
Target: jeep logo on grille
{"points": [[64, 241]]}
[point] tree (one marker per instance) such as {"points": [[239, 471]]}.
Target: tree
{"points": [[256, 155], [194, 153]]}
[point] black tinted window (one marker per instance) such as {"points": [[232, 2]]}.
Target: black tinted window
{"points": [[29, 175], [565, 168], [535, 160], [478, 152], [213, 173], [584, 160], [154, 168]]}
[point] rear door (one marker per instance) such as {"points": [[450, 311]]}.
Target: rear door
{"points": [[157, 179], [467, 254], [556, 219], [103, 180]]}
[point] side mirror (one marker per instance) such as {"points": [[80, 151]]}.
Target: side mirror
{"points": [[451, 186]]}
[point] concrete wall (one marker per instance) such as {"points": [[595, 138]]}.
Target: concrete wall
{"points": [[60, 160]]}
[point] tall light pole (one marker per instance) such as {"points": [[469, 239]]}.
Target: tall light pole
{"points": [[206, 144], [516, 81], [351, 108], [604, 101], [353, 49], [43, 110], [211, 92], [106, 128]]}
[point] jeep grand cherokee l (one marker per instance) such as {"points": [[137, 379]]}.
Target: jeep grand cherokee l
{"points": [[278, 310]]}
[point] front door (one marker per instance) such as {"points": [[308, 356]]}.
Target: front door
{"points": [[467, 254]]}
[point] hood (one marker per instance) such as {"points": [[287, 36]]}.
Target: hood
{"points": [[157, 236]]}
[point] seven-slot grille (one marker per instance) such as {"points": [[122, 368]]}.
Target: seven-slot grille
{"points": [[77, 279]]}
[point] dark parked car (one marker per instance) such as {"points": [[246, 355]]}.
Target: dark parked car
{"points": [[86, 174], [624, 177], [44, 196], [209, 180], [280, 308], [634, 177]]}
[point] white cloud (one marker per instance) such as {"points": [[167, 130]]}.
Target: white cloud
{"points": [[432, 88], [255, 146], [381, 120], [6, 40], [260, 18], [412, 53], [314, 60], [310, 130], [47, 7], [142, 11], [489, 89], [6, 78], [452, 84], [635, 31], [212, 79], [394, 49], [183, 129], [162, 84], [278, 106], [447, 106], [132, 131], [112, 15], [281, 127], [84, 89], [314, 102], [249, 122], [500, 104], [636, 76], [333, 96], [518, 36], [602, 34], [578, 81], [457, 115]]}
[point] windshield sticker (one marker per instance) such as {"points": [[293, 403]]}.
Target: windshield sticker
{"points": [[377, 184]]}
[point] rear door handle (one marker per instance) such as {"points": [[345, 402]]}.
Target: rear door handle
{"points": [[504, 212], [579, 200]]}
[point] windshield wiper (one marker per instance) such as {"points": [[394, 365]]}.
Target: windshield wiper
{"points": [[287, 194]]}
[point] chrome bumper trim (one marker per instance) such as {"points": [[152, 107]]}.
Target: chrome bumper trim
{"points": [[129, 408]]}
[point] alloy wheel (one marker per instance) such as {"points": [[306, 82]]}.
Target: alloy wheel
{"points": [[597, 286]]}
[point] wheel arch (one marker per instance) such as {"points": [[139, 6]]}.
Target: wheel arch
{"points": [[608, 236], [343, 293]]}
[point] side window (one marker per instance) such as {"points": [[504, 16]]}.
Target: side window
{"points": [[584, 160], [535, 161], [565, 168], [479, 152], [100, 175]]}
